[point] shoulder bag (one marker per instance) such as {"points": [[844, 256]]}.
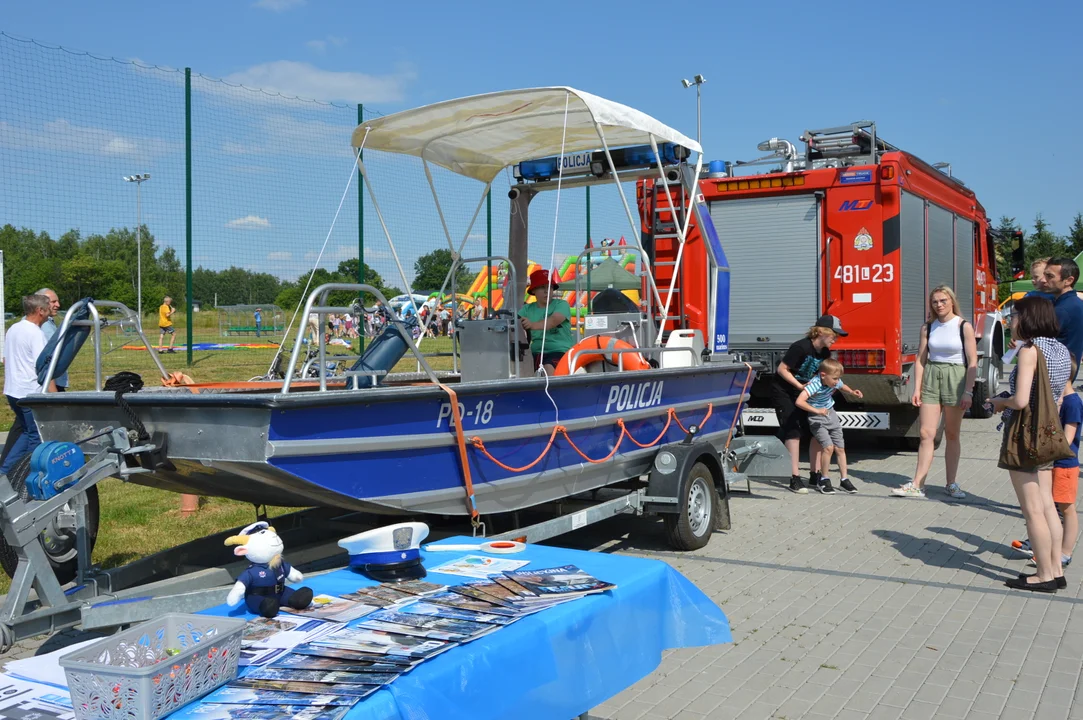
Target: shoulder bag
{"points": [[1034, 436]]}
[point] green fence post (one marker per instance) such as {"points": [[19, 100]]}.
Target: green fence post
{"points": [[188, 204], [489, 250], [585, 247], [361, 230]]}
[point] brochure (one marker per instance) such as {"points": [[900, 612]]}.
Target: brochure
{"points": [[492, 589], [329, 607], [353, 655], [416, 587], [23, 700], [311, 688], [387, 593], [320, 676], [516, 589], [255, 656], [462, 602], [249, 696], [311, 662], [375, 641], [478, 566], [563, 581], [284, 631], [427, 609], [209, 711], [420, 625]]}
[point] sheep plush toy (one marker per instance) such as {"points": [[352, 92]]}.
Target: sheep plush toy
{"points": [[262, 586]]}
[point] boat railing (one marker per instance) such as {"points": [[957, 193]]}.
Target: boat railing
{"points": [[511, 302], [320, 294], [621, 352], [129, 320], [647, 338]]}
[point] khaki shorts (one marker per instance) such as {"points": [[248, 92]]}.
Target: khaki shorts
{"points": [[943, 384]]}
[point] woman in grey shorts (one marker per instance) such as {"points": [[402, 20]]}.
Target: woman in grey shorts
{"points": [[944, 374]]}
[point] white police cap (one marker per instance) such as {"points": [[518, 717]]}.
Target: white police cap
{"points": [[388, 554]]}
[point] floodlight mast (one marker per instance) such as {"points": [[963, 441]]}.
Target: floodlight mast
{"points": [[138, 180], [698, 81]]}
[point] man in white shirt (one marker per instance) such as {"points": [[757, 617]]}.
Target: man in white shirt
{"points": [[25, 341], [49, 327]]}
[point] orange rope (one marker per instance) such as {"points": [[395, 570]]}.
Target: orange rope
{"points": [[737, 410], [669, 421], [616, 446], [701, 423], [476, 442], [460, 440]]}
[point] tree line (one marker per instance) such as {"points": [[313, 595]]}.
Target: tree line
{"points": [[104, 266], [1038, 242]]}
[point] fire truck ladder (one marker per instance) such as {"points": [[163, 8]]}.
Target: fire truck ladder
{"points": [[666, 246], [853, 144]]}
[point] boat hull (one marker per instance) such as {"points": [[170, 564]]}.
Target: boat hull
{"points": [[394, 449]]}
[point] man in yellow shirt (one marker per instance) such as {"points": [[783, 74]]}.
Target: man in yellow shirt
{"points": [[165, 324]]}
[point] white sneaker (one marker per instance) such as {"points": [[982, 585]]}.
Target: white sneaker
{"points": [[909, 490], [955, 491]]}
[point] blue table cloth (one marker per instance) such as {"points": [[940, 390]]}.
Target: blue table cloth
{"points": [[558, 663]]}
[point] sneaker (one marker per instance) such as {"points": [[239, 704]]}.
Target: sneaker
{"points": [[1065, 560], [1023, 546], [825, 486], [955, 491], [797, 485], [909, 490], [171, 351], [846, 486], [814, 479], [161, 352]]}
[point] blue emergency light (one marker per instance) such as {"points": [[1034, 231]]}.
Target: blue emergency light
{"points": [[596, 163]]}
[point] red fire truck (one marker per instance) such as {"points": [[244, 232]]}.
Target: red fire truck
{"points": [[856, 228]]}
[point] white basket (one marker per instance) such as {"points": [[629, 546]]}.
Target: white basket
{"points": [[133, 676]]}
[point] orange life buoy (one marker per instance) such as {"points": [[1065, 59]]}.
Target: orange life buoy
{"points": [[602, 347]]}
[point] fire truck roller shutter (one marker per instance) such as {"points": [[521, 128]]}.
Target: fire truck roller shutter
{"points": [[941, 248], [964, 267], [912, 269], [772, 245]]}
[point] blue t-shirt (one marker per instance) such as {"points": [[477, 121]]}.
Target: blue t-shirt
{"points": [[820, 396], [259, 318], [262, 575], [1071, 411], [1069, 310]]}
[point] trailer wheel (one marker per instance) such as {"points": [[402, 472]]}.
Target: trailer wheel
{"points": [[691, 527], [59, 544]]}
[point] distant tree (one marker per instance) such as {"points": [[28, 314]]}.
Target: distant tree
{"points": [[1075, 235], [430, 271], [1043, 242]]}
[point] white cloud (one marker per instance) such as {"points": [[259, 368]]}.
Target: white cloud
{"points": [[249, 222], [63, 136], [305, 80], [279, 256], [321, 46], [278, 5]]}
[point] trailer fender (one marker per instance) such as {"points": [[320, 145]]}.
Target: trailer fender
{"points": [[671, 464]]}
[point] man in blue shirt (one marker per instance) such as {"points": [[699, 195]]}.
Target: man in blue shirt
{"points": [[1061, 274], [259, 320]]}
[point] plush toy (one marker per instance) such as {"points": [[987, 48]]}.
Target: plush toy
{"points": [[263, 585]]}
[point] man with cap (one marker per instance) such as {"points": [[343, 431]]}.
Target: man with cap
{"points": [[547, 319], [799, 365]]}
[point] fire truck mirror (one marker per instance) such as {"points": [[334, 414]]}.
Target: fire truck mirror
{"points": [[1019, 262]]}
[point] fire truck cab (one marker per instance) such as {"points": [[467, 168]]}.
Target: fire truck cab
{"points": [[856, 228]]}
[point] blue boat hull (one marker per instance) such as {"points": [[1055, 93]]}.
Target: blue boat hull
{"points": [[394, 449]]}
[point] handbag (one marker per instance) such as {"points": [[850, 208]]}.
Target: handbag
{"points": [[1034, 436]]}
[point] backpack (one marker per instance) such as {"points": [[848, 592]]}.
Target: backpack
{"points": [[962, 338]]}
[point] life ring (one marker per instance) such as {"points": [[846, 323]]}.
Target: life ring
{"points": [[601, 345]]}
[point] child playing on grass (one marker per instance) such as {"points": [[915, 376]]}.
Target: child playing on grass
{"points": [[817, 399]]}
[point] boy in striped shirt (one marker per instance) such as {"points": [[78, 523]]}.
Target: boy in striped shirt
{"points": [[817, 399]]}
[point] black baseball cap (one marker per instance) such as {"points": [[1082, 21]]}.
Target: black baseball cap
{"points": [[831, 323]]}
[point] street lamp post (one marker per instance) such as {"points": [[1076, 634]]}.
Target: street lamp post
{"points": [[698, 81], [138, 180]]}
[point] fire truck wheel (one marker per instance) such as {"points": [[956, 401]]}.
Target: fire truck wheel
{"points": [[985, 388]]}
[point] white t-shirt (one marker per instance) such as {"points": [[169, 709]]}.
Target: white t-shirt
{"points": [[24, 343], [945, 344]]}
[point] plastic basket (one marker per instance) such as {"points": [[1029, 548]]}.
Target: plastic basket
{"points": [[149, 671]]}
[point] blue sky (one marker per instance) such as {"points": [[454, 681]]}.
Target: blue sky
{"points": [[992, 88]]}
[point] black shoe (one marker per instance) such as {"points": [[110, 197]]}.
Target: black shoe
{"points": [[825, 486], [847, 486], [1022, 584], [171, 351], [797, 485], [1062, 583], [814, 479]]}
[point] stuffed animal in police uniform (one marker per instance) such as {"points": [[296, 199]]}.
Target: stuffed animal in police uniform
{"points": [[263, 585]]}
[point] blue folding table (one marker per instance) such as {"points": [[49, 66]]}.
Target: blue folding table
{"points": [[558, 663]]}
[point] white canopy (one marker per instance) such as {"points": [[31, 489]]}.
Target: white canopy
{"points": [[481, 135]]}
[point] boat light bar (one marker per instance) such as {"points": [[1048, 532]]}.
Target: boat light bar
{"points": [[595, 163]]}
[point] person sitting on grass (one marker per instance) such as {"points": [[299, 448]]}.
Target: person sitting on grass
{"points": [[817, 400]]}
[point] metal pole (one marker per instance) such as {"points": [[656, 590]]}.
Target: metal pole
{"points": [[585, 247], [489, 251], [188, 206], [360, 231], [139, 249], [699, 122]]}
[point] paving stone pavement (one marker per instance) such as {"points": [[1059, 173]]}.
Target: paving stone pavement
{"points": [[870, 606], [857, 606]]}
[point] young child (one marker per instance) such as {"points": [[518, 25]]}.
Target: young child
{"points": [[818, 401]]}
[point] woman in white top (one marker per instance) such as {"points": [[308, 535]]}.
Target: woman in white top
{"points": [[944, 374]]}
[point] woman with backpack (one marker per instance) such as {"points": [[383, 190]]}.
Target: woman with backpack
{"points": [[944, 374]]}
